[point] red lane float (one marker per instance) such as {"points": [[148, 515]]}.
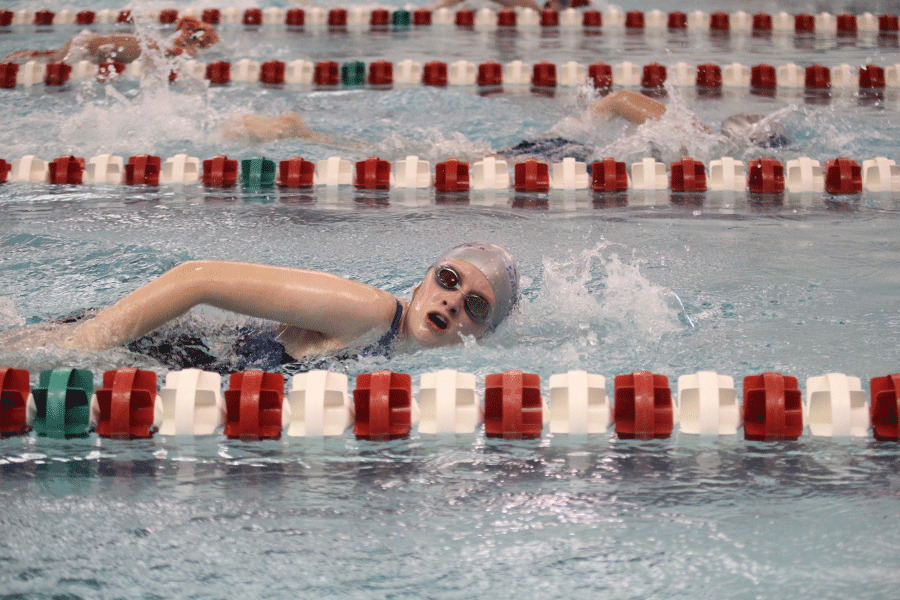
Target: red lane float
{"points": [[634, 19], [763, 77], [532, 176], [6, 18], [422, 18], [871, 76], [804, 23], [549, 18], [220, 172], [489, 74], [885, 407], [465, 18], [253, 17], [601, 75], [609, 175], [296, 173], [719, 21], [762, 22], [211, 16], [818, 77], [765, 176], [688, 175], [846, 24], [888, 24], [373, 174], [168, 16], [654, 76], [253, 406], [434, 73], [14, 392], [337, 18], [592, 18], [66, 170], [709, 76], [381, 72], [379, 19], [327, 73], [295, 17], [543, 74], [126, 404], [451, 176], [643, 408], [383, 403], [8, 73], [142, 170], [773, 409], [219, 72], [513, 407], [677, 20], [843, 176], [5, 168], [43, 18], [506, 18], [85, 17], [272, 72], [124, 17], [57, 73]]}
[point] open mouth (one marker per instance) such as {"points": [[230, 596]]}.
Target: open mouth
{"points": [[438, 321]]}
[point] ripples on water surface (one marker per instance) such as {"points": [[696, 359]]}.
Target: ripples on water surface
{"points": [[454, 518], [805, 285]]}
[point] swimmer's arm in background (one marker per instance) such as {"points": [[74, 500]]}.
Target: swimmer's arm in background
{"points": [[339, 309], [506, 3], [633, 106], [259, 128]]}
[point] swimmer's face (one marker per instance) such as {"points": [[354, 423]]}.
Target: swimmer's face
{"points": [[437, 316]]}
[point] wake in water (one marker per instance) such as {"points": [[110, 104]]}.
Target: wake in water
{"points": [[596, 298]]}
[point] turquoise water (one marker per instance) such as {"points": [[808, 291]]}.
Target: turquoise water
{"points": [[803, 284]]}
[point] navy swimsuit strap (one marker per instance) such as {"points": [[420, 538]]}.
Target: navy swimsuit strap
{"points": [[388, 338]]}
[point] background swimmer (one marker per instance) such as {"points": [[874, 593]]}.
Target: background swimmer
{"points": [[121, 47], [759, 130]]}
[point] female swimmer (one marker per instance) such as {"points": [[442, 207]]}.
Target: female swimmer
{"points": [[468, 291], [120, 47], [759, 130]]}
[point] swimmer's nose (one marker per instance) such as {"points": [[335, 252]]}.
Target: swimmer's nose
{"points": [[453, 309]]}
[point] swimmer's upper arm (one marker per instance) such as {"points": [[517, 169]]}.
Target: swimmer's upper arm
{"points": [[340, 309], [630, 105]]}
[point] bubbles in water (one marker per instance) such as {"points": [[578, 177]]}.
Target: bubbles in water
{"points": [[9, 316]]}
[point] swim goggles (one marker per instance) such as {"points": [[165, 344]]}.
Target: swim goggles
{"points": [[476, 306]]}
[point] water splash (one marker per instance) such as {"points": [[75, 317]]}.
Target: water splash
{"points": [[596, 297]]}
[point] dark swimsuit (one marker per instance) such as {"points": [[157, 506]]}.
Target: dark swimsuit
{"points": [[255, 348]]}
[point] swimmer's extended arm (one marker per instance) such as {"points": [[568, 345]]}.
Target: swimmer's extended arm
{"points": [[259, 128], [633, 106], [340, 309]]}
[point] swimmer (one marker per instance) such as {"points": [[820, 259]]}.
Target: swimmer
{"points": [[505, 3], [120, 47], [468, 291], [758, 130], [261, 129]]}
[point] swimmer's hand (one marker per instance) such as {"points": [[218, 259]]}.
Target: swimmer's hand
{"points": [[39, 336]]}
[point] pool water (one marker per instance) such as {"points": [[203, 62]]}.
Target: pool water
{"points": [[803, 284]]}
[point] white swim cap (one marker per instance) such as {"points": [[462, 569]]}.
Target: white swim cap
{"points": [[500, 269], [766, 132]]}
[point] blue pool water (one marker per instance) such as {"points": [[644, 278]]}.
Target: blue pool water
{"points": [[804, 285]]}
